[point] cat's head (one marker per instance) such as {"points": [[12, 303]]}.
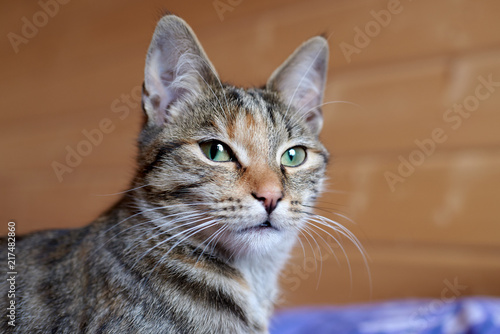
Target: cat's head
{"points": [[236, 168]]}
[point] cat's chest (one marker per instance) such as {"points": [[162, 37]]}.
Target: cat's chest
{"points": [[260, 290], [222, 303]]}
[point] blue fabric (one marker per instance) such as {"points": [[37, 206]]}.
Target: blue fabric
{"points": [[450, 316]]}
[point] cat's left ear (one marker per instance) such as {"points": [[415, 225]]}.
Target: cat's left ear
{"points": [[301, 79], [177, 71]]}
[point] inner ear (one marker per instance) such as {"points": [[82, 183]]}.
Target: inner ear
{"points": [[177, 71], [314, 118]]}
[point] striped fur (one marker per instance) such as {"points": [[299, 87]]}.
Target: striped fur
{"points": [[192, 247]]}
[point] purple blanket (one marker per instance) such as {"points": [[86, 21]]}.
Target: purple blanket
{"points": [[451, 316]]}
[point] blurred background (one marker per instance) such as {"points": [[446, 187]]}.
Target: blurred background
{"points": [[415, 145]]}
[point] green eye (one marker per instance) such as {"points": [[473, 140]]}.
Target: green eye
{"points": [[216, 151], [293, 157]]}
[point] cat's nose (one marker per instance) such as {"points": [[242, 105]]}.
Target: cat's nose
{"points": [[269, 196]]}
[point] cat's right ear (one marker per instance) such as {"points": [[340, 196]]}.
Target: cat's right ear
{"points": [[177, 71]]}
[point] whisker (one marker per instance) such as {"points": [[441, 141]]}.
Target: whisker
{"points": [[349, 235], [169, 238], [150, 210], [122, 192], [327, 244], [189, 214], [315, 260], [338, 243], [341, 247], [310, 245], [213, 238], [198, 229], [330, 212], [167, 231], [300, 242], [173, 224], [339, 228], [329, 247]]}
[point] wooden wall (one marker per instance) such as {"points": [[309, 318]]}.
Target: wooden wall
{"points": [[419, 112]]}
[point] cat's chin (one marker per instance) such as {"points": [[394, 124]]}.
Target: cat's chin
{"points": [[262, 240]]}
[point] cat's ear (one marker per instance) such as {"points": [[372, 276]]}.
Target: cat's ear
{"points": [[301, 79], [177, 70]]}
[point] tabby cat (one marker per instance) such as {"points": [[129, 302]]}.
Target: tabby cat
{"points": [[226, 179]]}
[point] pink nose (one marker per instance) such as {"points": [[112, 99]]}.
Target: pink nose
{"points": [[269, 195]]}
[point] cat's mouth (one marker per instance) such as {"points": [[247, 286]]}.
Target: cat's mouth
{"points": [[261, 227]]}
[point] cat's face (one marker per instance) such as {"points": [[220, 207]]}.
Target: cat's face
{"points": [[236, 168]]}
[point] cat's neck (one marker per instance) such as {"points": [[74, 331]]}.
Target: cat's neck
{"points": [[262, 273]]}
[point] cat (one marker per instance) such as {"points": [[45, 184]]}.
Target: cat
{"points": [[226, 179]]}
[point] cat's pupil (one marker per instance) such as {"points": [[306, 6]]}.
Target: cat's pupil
{"points": [[215, 150]]}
